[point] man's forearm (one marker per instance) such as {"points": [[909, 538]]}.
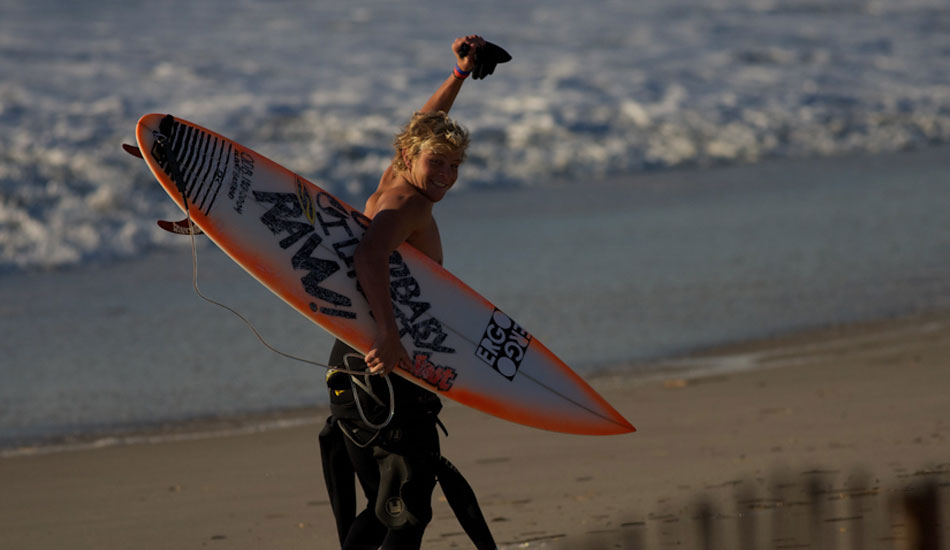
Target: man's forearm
{"points": [[444, 97], [372, 272]]}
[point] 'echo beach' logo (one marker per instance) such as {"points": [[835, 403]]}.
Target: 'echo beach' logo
{"points": [[503, 345]]}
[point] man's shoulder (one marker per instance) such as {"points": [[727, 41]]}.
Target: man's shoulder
{"points": [[400, 196]]}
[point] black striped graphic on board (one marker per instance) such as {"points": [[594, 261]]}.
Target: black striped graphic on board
{"points": [[203, 160]]}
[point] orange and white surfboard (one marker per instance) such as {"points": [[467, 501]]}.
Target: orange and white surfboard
{"points": [[298, 240]]}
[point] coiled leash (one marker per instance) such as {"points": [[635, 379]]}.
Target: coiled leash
{"points": [[366, 386]]}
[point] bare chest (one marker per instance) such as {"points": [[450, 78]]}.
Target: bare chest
{"points": [[426, 236]]}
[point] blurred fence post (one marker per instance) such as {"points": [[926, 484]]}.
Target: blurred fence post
{"points": [[705, 515], [812, 515], [922, 517], [746, 526]]}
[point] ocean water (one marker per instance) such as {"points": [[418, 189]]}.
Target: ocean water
{"points": [[645, 179], [595, 90], [648, 267]]}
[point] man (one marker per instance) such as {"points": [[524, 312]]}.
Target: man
{"points": [[397, 465]]}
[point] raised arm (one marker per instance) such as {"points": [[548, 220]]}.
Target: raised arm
{"points": [[444, 97]]}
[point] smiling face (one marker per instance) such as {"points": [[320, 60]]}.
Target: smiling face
{"points": [[428, 153], [433, 173]]}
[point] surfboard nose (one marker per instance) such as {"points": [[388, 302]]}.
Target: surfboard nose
{"points": [[611, 422], [623, 425], [604, 420]]}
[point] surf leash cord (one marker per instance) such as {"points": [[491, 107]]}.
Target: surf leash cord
{"points": [[162, 140]]}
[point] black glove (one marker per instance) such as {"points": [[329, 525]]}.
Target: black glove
{"points": [[486, 57]]}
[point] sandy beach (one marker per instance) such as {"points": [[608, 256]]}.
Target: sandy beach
{"points": [[854, 410], [730, 217]]}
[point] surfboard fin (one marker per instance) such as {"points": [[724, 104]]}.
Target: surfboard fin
{"points": [[132, 150], [180, 228]]}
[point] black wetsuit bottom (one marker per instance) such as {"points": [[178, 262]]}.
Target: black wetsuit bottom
{"points": [[396, 470]]}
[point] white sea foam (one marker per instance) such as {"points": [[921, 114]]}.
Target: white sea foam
{"points": [[594, 90]]}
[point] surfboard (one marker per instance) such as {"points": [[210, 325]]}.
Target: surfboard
{"points": [[298, 240]]}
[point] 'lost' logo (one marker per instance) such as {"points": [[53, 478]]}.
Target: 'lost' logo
{"points": [[504, 345]]}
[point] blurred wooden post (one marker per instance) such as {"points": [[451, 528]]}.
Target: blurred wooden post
{"points": [[634, 538], [745, 518], [816, 511], [922, 517], [858, 491], [704, 515], [781, 530]]}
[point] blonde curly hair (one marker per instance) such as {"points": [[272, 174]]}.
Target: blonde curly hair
{"points": [[434, 131]]}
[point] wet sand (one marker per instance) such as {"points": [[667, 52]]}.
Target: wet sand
{"points": [[866, 400]]}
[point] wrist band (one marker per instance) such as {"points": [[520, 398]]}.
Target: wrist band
{"points": [[459, 73]]}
